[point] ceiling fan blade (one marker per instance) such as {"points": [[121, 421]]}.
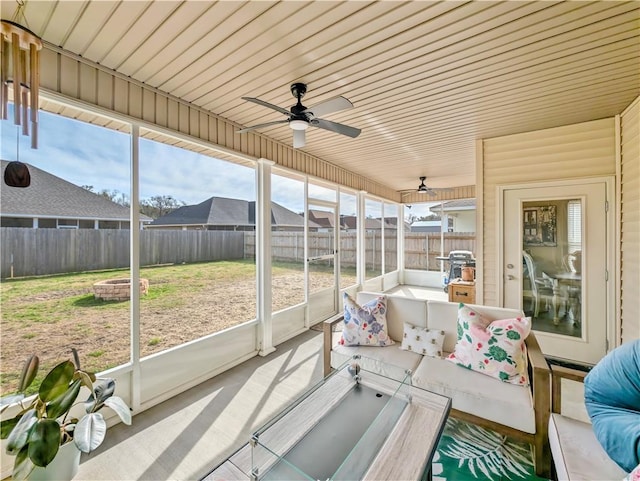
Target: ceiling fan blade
{"points": [[298, 139], [336, 127], [267, 104], [329, 106], [260, 126]]}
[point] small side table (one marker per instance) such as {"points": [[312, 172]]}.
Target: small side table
{"points": [[462, 291]]}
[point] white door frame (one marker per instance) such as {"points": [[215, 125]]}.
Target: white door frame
{"points": [[610, 236], [334, 206]]}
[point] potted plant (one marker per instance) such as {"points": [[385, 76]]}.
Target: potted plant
{"points": [[44, 424]]}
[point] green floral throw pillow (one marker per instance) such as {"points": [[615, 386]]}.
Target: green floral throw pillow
{"points": [[495, 348]]}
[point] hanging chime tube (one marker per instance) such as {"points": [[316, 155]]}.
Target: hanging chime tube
{"points": [[20, 66], [22, 89], [34, 83], [15, 58], [4, 68]]}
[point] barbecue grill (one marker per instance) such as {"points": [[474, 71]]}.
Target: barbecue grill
{"points": [[457, 260]]}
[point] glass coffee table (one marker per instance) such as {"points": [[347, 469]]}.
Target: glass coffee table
{"points": [[364, 421]]}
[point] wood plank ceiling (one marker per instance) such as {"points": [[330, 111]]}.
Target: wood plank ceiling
{"points": [[427, 78]]}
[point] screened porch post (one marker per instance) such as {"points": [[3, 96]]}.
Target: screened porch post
{"points": [[263, 257]]}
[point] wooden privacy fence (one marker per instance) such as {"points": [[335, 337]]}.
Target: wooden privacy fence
{"points": [[421, 248], [29, 252]]}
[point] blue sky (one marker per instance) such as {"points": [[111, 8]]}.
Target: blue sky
{"points": [[85, 154]]}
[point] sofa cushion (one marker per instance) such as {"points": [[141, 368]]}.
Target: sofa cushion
{"points": [[577, 455], [483, 396], [399, 311], [612, 398], [421, 340], [390, 361], [365, 325], [444, 315], [492, 347]]}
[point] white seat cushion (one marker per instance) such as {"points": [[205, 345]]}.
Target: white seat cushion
{"points": [[577, 454], [399, 311], [478, 394], [444, 315], [390, 361]]}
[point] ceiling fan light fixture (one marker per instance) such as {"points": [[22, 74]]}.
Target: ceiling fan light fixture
{"points": [[297, 124]]}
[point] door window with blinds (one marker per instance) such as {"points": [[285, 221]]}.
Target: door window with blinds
{"points": [[552, 265]]}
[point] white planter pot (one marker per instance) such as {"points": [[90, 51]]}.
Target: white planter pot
{"points": [[63, 468]]}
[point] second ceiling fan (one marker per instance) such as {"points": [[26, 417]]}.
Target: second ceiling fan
{"points": [[423, 189], [300, 118]]}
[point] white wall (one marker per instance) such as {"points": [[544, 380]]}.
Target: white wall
{"points": [[630, 222], [464, 221], [569, 152]]}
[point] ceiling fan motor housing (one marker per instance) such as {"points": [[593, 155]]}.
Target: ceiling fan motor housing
{"points": [[298, 90]]}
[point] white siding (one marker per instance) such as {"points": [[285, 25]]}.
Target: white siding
{"points": [[568, 152], [630, 222]]}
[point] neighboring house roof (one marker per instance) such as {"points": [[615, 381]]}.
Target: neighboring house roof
{"points": [[350, 222], [426, 223], [222, 211], [321, 217], [426, 226], [452, 205], [51, 196]]}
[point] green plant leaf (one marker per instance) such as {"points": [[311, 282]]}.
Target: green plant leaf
{"points": [[7, 426], [76, 358], [57, 381], [86, 378], [44, 442], [90, 432], [22, 466], [29, 372], [120, 408], [21, 432], [63, 403]]}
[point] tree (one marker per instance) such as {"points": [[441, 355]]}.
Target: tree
{"points": [[113, 195], [159, 205], [429, 217]]}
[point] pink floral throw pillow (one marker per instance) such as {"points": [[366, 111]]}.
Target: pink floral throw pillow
{"points": [[365, 325], [495, 348]]}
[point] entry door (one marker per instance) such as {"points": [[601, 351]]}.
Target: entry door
{"points": [[556, 256], [322, 261]]}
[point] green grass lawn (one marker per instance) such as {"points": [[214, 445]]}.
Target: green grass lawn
{"points": [[49, 315]]}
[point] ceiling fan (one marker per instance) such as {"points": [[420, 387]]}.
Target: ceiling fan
{"points": [[423, 189], [300, 118]]}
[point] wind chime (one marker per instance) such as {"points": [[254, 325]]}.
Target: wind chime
{"points": [[20, 69]]}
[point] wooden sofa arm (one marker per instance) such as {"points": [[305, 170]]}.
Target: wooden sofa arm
{"points": [[558, 373], [540, 377], [327, 329]]}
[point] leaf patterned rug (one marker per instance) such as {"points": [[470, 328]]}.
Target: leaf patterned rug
{"points": [[467, 452]]}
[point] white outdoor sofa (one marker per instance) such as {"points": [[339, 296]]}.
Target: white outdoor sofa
{"points": [[516, 411], [577, 454]]}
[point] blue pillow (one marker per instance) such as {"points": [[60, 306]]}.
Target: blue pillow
{"points": [[612, 397]]}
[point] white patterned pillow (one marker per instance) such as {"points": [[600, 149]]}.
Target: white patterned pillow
{"points": [[365, 325], [421, 340]]}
